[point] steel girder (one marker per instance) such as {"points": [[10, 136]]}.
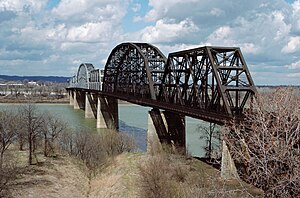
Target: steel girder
{"points": [[214, 79], [134, 69]]}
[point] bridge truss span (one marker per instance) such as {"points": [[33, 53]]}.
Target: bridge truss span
{"points": [[134, 69], [209, 83], [213, 79], [87, 77]]}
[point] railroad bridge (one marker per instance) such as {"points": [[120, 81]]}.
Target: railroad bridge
{"points": [[208, 83]]}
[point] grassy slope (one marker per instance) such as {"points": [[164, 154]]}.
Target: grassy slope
{"points": [[64, 177], [53, 177]]}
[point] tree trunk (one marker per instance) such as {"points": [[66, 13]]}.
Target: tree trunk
{"points": [[30, 148], [46, 145], [1, 159]]}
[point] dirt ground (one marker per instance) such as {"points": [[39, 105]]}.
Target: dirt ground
{"points": [[52, 177], [65, 177]]}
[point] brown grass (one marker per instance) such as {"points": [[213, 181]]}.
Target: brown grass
{"points": [[52, 177], [126, 175], [169, 175]]}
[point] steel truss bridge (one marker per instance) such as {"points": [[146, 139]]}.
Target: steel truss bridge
{"points": [[208, 83]]}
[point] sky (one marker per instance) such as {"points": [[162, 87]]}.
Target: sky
{"points": [[53, 37]]}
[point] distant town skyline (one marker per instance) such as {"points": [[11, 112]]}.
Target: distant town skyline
{"points": [[52, 37]]}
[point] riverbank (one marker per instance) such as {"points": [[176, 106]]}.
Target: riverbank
{"points": [[126, 175], [34, 100], [54, 101]]}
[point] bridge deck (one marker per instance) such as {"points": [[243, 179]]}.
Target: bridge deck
{"points": [[215, 117]]}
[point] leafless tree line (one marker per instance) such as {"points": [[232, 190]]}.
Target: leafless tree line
{"points": [[95, 148], [266, 145], [43, 133]]}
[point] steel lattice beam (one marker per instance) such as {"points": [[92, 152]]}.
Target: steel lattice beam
{"points": [[133, 69], [208, 78]]}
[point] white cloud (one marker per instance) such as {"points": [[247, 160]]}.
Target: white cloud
{"points": [[32, 36], [217, 12], [296, 14], [282, 28], [161, 7], [292, 46], [136, 7], [220, 34], [295, 65], [91, 10], [293, 74], [58, 32], [91, 32], [22, 5], [167, 31]]}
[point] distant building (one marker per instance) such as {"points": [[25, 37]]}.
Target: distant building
{"points": [[33, 83]]}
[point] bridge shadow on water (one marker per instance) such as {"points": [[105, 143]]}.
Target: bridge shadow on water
{"points": [[138, 134]]}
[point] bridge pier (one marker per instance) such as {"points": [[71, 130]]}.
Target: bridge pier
{"points": [[167, 128], [76, 103], [71, 97], [107, 113], [90, 105], [79, 100], [228, 168]]}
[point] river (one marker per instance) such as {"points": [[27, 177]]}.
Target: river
{"points": [[132, 120]]}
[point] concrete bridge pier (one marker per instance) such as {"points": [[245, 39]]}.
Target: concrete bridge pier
{"points": [[79, 100], [91, 102], [71, 97], [228, 168], [107, 113], [167, 128]]}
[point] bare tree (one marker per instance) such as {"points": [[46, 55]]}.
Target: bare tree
{"points": [[266, 144], [33, 121], [53, 126], [211, 135], [8, 131]]}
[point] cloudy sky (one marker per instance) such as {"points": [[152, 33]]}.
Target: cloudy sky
{"points": [[52, 37]]}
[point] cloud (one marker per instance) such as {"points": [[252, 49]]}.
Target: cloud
{"points": [[22, 5], [168, 31], [90, 10], [36, 37], [136, 7], [91, 32], [296, 14], [295, 65], [293, 74], [292, 46], [7, 15], [217, 12], [161, 8]]}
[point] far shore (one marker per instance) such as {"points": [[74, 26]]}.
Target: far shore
{"points": [[55, 101], [36, 101]]}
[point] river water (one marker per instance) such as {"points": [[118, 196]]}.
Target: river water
{"points": [[132, 120]]}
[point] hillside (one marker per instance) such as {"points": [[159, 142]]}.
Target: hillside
{"points": [[127, 175], [59, 79]]}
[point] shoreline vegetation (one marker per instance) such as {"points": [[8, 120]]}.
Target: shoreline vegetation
{"points": [[64, 100]]}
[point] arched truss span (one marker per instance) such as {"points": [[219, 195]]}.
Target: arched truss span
{"points": [[83, 75], [134, 69], [87, 77]]}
